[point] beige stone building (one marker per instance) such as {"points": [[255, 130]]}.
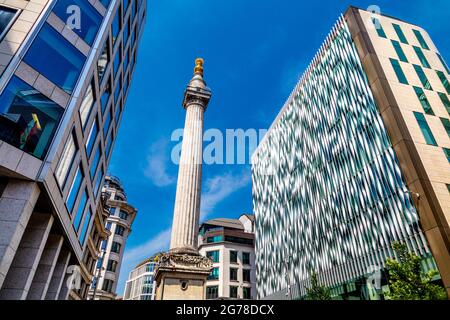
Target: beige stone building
{"points": [[119, 218], [230, 243], [63, 88]]}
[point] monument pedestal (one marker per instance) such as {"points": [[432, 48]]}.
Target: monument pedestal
{"points": [[182, 276]]}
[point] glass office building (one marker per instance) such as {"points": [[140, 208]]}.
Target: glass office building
{"points": [[355, 161], [65, 73], [141, 284]]}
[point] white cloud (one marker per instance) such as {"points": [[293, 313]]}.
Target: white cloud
{"points": [[135, 255], [219, 187], [156, 168]]}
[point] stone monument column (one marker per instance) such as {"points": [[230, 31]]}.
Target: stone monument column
{"points": [[182, 272]]}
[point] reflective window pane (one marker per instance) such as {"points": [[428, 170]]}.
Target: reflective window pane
{"points": [[91, 139], [70, 202], [61, 63], [376, 22], [423, 78], [107, 122], [444, 81], [66, 160], [428, 135], [399, 50], [103, 61], [422, 58], [90, 19], [28, 119], [105, 96], [79, 214], [95, 162], [6, 19], [446, 124], [421, 40], [424, 101], [400, 34], [398, 71], [115, 28], [86, 224], [87, 104]]}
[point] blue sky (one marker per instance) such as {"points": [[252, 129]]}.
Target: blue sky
{"points": [[254, 53]]}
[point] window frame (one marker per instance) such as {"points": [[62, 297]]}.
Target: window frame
{"points": [[11, 22]]}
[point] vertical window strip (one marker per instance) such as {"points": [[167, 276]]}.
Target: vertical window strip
{"points": [[446, 124], [400, 53], [426, 131], [376, 22], [398, 71], [400, 34], [445, 101], [447, 154], [66, 161], [424, 101], [421, 40], [422, 77], [444, 80], [422, 58], [443, 63]]}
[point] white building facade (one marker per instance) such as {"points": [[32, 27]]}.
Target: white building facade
{"points": [[230, 244], [141, 282]]}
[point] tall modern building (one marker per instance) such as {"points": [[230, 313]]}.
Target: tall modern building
{"points": [[119, 218], [66, 67], [141, 283], [358, 157], [230, 244]]}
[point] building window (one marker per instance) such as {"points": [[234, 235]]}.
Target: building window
{"points": [[105, 96], [98, 182], [126, 32], [247, 293], [150, 268], [400, 53], [87, 104], [126, 60], [107, 122], [445, 101], [90, 22], [446, 124], [108, 226], [120, 230], [107, 285], [398, 71], [116, 63], [424, 101], [426, 131], [103, 245], [7, 17], [246, 258], [123, 215], [233, 274], [233, 256], [423, 78], [91, 138], [66, 160], [213, 255], [212, 292], [115, 27], [56, 58], [126, 83], [79, 214], [111, 265], [70, 202], [422, 58], [28, 119], [105, 3], [86, 223], [448, 187], [376, 22], [95, 162], [444, 80], [400, 34], [109, 144], [118, 85], [118, 111], [103, 60], [214, 275], [443, 63], [233, 292], [246, 275], [115, 247], [214, 239], [447, 153], [421, 40]]}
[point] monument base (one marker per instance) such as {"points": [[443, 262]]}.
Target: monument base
{"points": [[182, 276]]}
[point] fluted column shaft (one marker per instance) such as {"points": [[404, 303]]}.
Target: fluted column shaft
{"points": [[187, 201]]}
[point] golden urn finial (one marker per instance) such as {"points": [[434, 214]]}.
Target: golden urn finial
{"points": [[199, 66]]}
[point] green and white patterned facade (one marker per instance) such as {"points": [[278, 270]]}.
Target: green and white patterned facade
{"points": [[328, 192]]}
